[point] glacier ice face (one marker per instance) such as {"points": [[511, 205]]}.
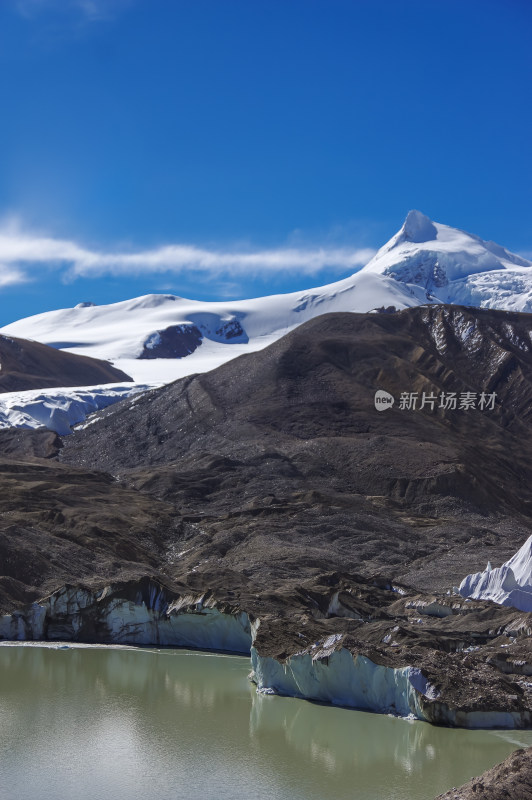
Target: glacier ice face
{"points": [[150, 618], [508, 585], [145, 613], [344, 679], [24, 625]]}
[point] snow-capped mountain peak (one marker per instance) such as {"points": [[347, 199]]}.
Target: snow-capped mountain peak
{"points": [[160, 337], [454, 266], [417, 228]]}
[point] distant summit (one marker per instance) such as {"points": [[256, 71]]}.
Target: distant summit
{"points": [[161, 337], [454, 266], [418, 228]]}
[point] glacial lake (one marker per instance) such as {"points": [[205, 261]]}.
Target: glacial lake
{"points": [[110, 723]]}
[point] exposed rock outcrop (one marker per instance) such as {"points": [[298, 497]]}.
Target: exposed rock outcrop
{"points": [[510, 780], [176, 341]]}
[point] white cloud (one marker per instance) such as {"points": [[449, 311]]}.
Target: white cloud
{"points": [[23, 253], [10, 276]]}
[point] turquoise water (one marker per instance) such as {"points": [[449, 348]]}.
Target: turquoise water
{"points": [[95, 723]]}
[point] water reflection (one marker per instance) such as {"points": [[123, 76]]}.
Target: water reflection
{"points": [[125, 723], [344, 741]]}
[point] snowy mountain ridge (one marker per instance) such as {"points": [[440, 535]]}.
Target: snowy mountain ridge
{"points": [[454, 266], [424, 262], [164, 337], [159, 338]]}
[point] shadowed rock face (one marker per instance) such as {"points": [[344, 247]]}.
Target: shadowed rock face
{"points": [[231, 330], [510, 780], [30, 365], [273, 484], [176, 341]]}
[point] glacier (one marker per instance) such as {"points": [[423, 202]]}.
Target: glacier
{"points": [[149, 617], [508, 585], [145, 613], [62, 408], [337, 676], [342, 679]]}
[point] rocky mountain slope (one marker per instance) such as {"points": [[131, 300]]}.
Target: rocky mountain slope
{"points": [[293, 430], [30, 365], [268, 506]]}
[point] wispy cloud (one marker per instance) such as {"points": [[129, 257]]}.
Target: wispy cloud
{"points": [[24, 255], [10, 276]]}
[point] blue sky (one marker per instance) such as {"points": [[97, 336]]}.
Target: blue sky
{"points": [[250, 146]]}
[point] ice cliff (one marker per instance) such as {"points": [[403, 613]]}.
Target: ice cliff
{"points": [[144, 612], [509, 585], [139, 614], [330, 673]]}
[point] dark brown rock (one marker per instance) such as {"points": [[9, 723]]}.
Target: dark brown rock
{"points": [[511, 780], [31, 365], [285, 460]]}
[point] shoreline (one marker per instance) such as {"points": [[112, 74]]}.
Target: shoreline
{"points": [[335, 668]]}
